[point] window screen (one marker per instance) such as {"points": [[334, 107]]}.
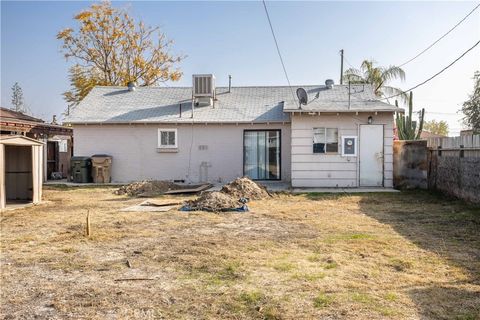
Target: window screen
{"points": [[325, 140]]}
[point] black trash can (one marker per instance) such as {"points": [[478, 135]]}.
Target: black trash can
{"points": [[81, 169]]}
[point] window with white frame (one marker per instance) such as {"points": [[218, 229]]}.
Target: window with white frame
{"points": [[325, 140], [62, 146], [167, 138]]}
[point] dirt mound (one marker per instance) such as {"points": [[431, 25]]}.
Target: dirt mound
{"points": [[214, 201], [147, 188], [245, 188]]}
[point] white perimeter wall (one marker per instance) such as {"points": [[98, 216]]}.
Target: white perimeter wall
{"points": [[135, 156], [333, 170]]}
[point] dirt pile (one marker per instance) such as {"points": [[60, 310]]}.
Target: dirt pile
{"points": [[245, 188], [214, 201], [232, 196], [147, 188]]}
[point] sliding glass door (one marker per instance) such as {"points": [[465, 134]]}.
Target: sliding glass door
{"points": [[261, 154]]}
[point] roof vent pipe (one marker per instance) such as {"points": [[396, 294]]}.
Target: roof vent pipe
{"points": [[329, 83], [131, 85], [229, 83]]}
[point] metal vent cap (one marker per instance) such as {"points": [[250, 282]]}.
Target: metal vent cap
{"points": [[329, 83]]}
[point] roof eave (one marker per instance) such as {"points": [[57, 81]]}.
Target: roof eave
{"points": [[341, 111], [175, 122]]}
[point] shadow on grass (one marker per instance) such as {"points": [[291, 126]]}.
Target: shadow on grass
{"points": [[435, 302], [445, 226]]}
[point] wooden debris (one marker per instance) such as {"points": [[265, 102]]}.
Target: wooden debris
{"points": [[87, 229], [192, 190], [159, 203], [146, 208], [134, 279]]}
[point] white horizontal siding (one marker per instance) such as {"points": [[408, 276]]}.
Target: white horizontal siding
{"points": [[324, 166], [325, 174], [388, 158], [324, 183], [321, 158], [332, 170], [388, 166]]}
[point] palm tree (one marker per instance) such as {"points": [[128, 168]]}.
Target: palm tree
{"points": [[378, 77]]}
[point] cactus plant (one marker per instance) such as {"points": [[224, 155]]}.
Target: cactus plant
{"points": [[406, 127]]}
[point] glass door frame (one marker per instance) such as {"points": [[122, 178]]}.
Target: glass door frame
{"points": [[279, 150]]}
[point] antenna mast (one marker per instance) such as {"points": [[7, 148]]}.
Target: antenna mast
{"points": [[341, 66]]}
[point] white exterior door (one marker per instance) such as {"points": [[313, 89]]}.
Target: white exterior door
{"points": [[371, 155]]}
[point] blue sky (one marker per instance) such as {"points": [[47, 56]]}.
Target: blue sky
{"points": [[234, 38]]}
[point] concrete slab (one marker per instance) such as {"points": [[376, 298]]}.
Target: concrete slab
{"points": [[64, 182], [342, 190], [15, 205]]}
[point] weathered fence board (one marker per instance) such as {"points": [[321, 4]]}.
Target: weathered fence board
{"points": [[454, 166]]}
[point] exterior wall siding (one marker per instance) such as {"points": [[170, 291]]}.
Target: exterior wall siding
{"points": [[210, 152], [333, 170]]}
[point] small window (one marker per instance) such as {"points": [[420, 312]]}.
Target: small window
{"points": [[167, 138], [325, 140], [62, 146]]}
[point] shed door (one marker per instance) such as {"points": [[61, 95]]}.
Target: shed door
{"points": [[371, 155], [52, 158]]}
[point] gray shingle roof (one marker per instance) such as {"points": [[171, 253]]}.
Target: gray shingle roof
{"points": [[336, 99], [242, 104]]}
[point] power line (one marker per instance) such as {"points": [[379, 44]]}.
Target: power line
{"points": [[436, 74], [436, 41], [278, 49], [444, 113], [348, 62]]}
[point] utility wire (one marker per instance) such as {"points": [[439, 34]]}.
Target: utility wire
{"points": [[438, 40], [278, 49], [442, 113], [436, 74], [348, 62]]}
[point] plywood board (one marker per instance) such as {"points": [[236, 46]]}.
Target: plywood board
{"points": [[143, 208], [193, 190]]}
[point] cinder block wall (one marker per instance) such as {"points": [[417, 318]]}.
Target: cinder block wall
{"points": [[456, 174]]}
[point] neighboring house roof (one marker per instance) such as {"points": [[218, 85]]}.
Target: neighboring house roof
{"points": [[14, 121], [241, 104], [427, 134], [467, 132], [8, 114]]}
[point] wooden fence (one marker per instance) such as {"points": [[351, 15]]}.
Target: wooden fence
{"points": [[454, 166], [469, 143]]}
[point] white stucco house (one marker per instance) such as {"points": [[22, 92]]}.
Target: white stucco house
{"points": [[341, 137]]}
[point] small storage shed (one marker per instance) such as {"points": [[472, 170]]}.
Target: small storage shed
{"points": [[21, 170]]}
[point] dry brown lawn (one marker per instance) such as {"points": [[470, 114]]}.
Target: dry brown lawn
{"points": [[368, 256]]}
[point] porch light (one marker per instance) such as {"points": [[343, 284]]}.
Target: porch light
{"points": [[370, 120]]}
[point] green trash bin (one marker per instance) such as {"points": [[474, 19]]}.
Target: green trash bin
{"points": [[81, 169]]}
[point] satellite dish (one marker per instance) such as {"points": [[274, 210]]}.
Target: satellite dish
{"points": [[302, 96]]}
